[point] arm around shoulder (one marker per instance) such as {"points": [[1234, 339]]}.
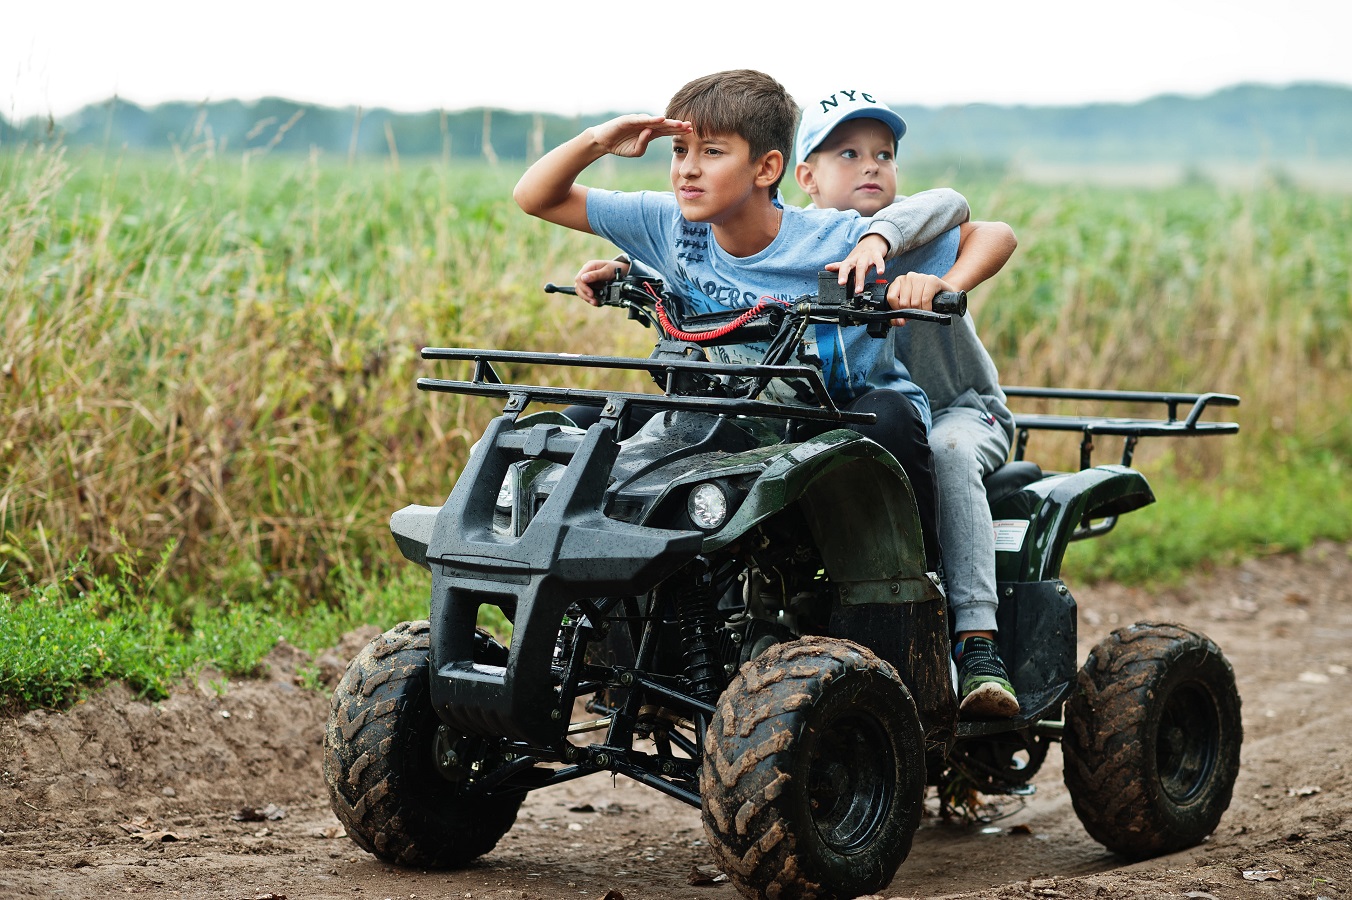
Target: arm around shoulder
{"points": [[916, 220]]}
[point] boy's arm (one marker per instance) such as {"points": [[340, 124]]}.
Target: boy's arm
{"points": [[549, 189], [908, 223], [918, 219], [983, 249]]}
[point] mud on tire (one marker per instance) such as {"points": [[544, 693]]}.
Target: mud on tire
{"points": [[814, 772], [378, 761], [1152, 740]]}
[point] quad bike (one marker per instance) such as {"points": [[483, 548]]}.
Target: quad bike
{"points": [[740, 617]]}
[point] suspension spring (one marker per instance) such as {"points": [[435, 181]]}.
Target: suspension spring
{"points": [[697, 608]]}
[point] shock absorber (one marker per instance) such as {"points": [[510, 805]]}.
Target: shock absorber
{"points": [[697, 609]]}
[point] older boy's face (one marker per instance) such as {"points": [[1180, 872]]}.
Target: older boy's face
{"points": [[854, 168], [713, 176]]}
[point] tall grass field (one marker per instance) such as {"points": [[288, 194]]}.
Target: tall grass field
{"points": [[207, 368]]}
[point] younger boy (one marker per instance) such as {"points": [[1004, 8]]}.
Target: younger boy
{"points": [[845, 147]]}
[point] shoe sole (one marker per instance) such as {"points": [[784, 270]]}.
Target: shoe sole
{"points": [[990, 701]]}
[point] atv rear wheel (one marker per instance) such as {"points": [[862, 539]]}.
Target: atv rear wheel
{"points": [[1152, 740], [814, 772], [380, 762]]}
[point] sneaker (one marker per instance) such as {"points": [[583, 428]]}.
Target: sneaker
{"points": [[983, 681]]}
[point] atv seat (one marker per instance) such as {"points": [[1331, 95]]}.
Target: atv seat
{"points": [[1010, 478]]}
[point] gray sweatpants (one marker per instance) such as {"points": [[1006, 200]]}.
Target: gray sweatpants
{"points": [[968, 445]]}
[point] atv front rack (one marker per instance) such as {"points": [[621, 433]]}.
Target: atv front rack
{"points": [[668, 371], [1129, 428]]}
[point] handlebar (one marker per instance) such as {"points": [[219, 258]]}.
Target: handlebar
{"points": [[622, 292], [868, 307], [953, 303], [780, 324], [874, 297]]}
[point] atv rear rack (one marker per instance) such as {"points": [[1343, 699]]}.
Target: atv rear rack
{"points": [[1129, 428], [485, 382]]}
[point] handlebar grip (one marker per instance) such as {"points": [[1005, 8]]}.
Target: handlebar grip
{"points": [[552, 288], [953, 303]]}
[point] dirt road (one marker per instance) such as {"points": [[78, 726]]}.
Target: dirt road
{"points": [[217, 792]]}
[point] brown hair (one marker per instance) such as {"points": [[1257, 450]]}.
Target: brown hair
{"points": [[743, 102]]}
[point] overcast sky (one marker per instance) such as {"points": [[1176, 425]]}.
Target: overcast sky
{"points": [[57, 55]]}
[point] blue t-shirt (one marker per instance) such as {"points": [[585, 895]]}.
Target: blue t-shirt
{"points": [[648, 225]]}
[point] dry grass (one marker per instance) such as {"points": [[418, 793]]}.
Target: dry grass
{"points": [[223, 355], [220, 353]]}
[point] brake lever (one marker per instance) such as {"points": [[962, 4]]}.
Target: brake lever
{"points": [[607, 293]]}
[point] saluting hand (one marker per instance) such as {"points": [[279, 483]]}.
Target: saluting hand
{"points": [[630, 135]]}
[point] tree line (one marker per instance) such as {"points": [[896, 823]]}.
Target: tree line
{"points": [[1244, 123]]}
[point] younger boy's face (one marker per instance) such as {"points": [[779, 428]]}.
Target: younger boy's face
{"points": [[714, 177], [854, 168]]}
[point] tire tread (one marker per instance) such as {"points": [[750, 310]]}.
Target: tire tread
{"points": [[415, 824], [752, 726], [1105, 760]]}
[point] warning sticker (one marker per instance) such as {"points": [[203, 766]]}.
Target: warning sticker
{"points": [[1009, 534]]}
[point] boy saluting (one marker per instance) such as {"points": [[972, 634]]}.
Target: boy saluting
{"points": [[719, 241]]}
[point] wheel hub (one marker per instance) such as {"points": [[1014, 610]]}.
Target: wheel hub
{"points": [[1186, 748], [850, 783]]}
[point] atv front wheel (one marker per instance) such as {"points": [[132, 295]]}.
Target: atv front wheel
{"points": [[814, 772], [381, 749], [1152, 740]]}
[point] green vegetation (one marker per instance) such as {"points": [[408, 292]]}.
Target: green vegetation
{"points": [[223, 356], [215, 354], [56, 641]]}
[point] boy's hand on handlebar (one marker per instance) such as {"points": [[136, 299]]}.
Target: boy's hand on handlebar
{"points": [[630, 135], [594, 271], [870, 254], [915, 290]]}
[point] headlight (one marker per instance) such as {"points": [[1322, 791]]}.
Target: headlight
{"points": [[708, 506]]}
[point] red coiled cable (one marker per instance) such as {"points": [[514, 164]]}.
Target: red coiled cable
{"points": [[716, 333]]}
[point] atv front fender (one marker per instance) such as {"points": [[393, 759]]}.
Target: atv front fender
{"points": [[412, 529], [860, 508]]}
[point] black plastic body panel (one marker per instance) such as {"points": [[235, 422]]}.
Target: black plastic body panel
{"points": [[570, 550]]}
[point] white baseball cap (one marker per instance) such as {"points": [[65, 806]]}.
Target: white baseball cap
{"points": [[820, 118]]}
